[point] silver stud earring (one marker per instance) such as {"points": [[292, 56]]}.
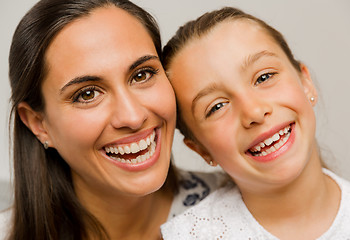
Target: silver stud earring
{"points": [[211, 163], [312, 99], [46, 144]]}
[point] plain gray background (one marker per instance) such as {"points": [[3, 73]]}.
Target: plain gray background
{"points": [[318, 31]]}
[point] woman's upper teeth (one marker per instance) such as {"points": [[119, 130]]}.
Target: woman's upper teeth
{"points": [[270, 140], [132, 147]]}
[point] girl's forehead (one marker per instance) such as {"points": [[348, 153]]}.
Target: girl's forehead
{"points": [[237, 36]]}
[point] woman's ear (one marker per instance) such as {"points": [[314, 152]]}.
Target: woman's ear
{"points": [[309, 87], [33, 120], [198, 148]]}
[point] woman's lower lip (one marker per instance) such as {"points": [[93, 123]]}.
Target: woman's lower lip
{"points": [[274, 155], [135, 167]]}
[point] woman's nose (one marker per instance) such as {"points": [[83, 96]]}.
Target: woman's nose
{"points": [[128, 112], [254, 110]]}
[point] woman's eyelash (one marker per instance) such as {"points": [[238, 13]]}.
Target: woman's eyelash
{"points": [[142, 74], [264, 77], [78, 94]]}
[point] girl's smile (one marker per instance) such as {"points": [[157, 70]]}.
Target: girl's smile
{"points": [[267, 149]]}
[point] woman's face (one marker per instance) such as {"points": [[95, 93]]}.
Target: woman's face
{"points": [[246, 105], [110, 110]]}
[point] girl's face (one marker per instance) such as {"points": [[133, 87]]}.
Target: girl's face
{"points": [[246, 105], [110, 110]]}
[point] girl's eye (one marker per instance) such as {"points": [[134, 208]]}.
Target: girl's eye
{"points": [[144, 75], [86, 95], [264, 77], [215, 108]]}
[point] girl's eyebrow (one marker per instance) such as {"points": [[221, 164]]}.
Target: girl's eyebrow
{"points": [[82, 79], [251, 59], [205, 91]]}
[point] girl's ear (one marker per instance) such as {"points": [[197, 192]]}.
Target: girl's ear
{"points": [[309, 87], [198, 148], [33, 120]]}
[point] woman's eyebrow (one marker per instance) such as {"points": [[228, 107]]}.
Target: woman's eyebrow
{"points": [[141, 60], [251, 59], [79, 80], [82, 79]]}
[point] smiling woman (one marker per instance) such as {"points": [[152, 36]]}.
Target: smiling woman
{"points": [[94, 118]]}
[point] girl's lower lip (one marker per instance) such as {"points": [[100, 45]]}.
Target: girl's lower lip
{"points": [[136, 167], [274, 155]]}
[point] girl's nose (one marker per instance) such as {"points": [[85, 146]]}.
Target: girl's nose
{"points": [[254, 110]]}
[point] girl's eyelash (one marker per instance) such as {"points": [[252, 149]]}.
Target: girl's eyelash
{"points": [[264, 77], [77, 95], [215, 109]]}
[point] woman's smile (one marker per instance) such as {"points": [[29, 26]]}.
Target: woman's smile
{"points": [[137, 152]]}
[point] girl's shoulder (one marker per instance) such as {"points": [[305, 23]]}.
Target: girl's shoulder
{"points": [[340, 226], [343, 183], [213, 215]]}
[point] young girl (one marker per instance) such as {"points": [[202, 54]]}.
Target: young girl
{"points": [[246, 104]]}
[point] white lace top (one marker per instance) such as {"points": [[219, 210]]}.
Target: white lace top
{"points": [[223, 215]]}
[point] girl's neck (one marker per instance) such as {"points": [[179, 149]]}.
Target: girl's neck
{"points": [[307, 206], [131, 217]]}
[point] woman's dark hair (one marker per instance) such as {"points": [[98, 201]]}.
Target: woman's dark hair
{"points": [[203, 25], [45, 204]]}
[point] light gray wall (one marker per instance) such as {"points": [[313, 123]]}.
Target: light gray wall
{"points": [[318, 32]]}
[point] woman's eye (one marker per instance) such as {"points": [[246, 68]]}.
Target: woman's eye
{"points": [[215, 108], [264, 77], [86, 95], [143, 75]]}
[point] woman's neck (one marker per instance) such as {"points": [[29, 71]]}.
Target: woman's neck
{"points": [[304, 209], [128, 217]]}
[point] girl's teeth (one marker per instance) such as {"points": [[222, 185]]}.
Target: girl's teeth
{"points": [[268, 142], [276, 137], [257, 148], [282, 135]]}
